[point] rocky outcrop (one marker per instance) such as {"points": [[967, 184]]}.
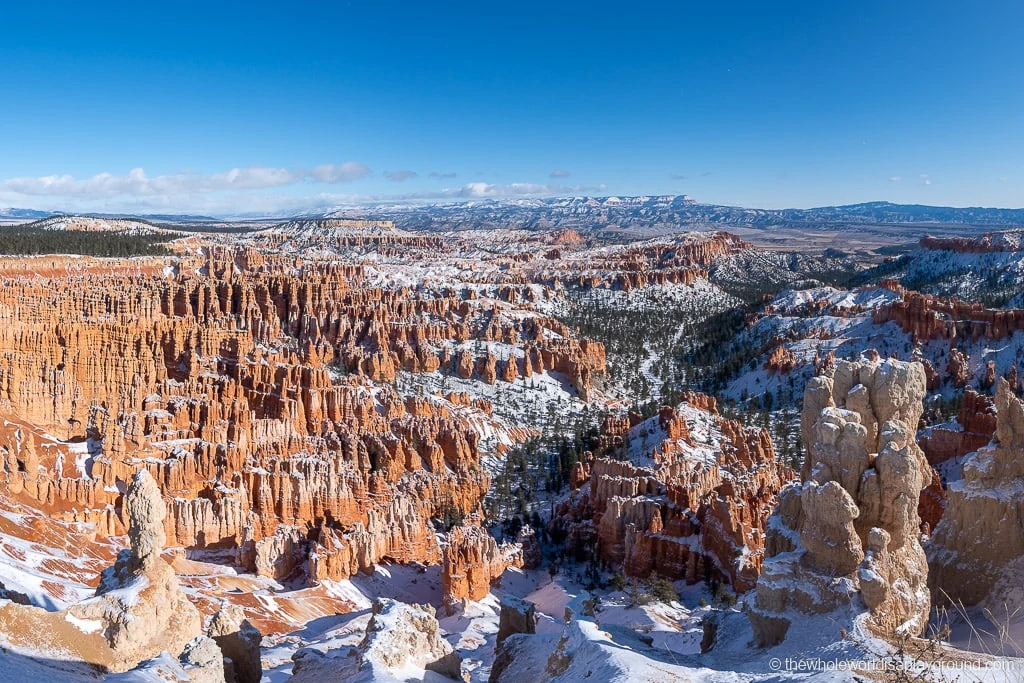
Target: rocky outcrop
{"points": [[239, 642], [700, 508], [848, 537], [957, 368], [399, 637], [989, 242], [472, 562], [531, 550], [138, 603], [204, 663], [925, 317], [965, 561], [516, 616], [977, 425], [780, 360]]}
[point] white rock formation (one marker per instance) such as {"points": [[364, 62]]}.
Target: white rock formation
{"points": [[239, 641], [138, 604], [848, 537], [202, 661], [400, 638]]}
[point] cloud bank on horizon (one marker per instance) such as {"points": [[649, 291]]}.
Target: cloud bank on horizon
{"points": [[254, 189], [264, 190]]}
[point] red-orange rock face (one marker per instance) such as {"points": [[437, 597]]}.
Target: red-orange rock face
{"points": [[699, 506], [929, 317], [977, 421], [780, 359], [242, 385], [957, 368], [473, 561]]}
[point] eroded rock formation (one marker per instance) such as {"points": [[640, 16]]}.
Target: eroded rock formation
{"points": [[138, 603], [925, 316], [473, 560], [516, 616], [1008, 240], [239, 642], [982, 530], [204, 663], [977, 424], [780, 359], [698, 506], [398, 637], [245, 383], [847, 539]]}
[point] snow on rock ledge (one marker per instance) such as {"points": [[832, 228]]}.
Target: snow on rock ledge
{"points": [[986, 504], [848, 539], [402, 641], [139, 603]]}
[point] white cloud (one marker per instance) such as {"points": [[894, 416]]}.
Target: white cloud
{"points": [[442, 174], [895, 179], [137, 184], [481, 189], [926, 178], [558, 173], [339, 173], [254, 190]]}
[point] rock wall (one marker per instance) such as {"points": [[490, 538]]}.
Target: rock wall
{"points": [[691, 511], [977, 420], [245, 383], [925, 317], [848, 537], [982, 529], [472, 562], [1009, 240]]}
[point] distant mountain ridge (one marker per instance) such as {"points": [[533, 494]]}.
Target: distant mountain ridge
{"points": [[654, 212], [671, 212], [35, 214], [23, 213]]}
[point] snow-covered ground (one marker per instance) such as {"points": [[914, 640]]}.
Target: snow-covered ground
{"points": [[970, 277]]}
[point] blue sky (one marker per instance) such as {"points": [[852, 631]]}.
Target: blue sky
{"points": [[280, 106]]}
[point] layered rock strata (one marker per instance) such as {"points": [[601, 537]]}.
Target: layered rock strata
{"points": [[245, 383], [925, 317]]}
